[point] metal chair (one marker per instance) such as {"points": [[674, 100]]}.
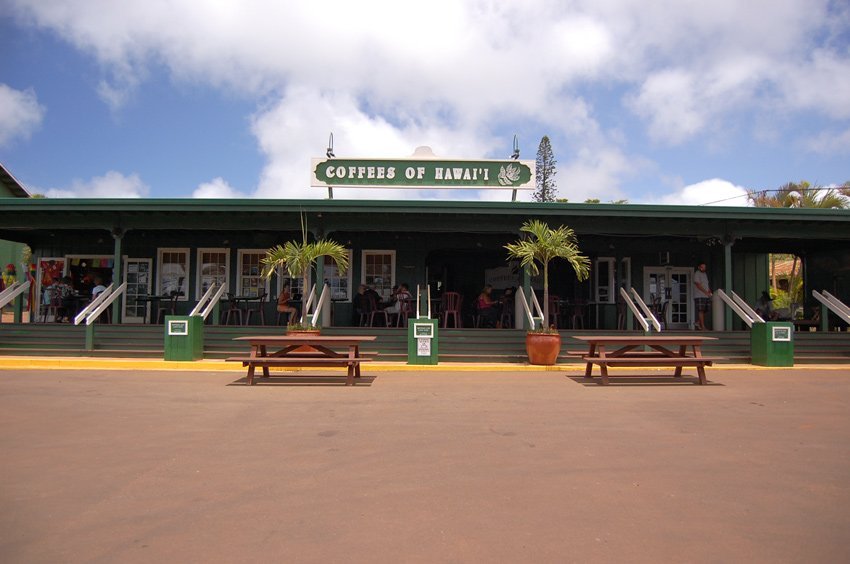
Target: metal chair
{"points": [[450, 307], [405, 309], [168, 307], [233, 311], [374, 310], [554, 310], [259, 309]]}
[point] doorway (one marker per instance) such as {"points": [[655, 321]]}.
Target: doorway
{"points": [[137, 274], [673, 286]]}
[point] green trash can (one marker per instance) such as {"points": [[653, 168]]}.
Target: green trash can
{"points": [[772, 343], [184, 337], [422, 341]]}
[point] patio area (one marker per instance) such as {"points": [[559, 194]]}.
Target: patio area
{"points": [[424, 466]]}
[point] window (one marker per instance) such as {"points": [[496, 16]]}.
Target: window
{"points": [[249, 282], [605, 277], [379, 271], [213, 266], [340, 285], [172, 267]]}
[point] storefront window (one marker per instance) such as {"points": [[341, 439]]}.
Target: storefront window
{"points": [[172, 269], [379, 271], [340, 284], [213, 266], [250, 282]]}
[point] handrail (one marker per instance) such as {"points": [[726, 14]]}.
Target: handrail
{"points": [[746, 313], [528, 313], [326, 291], [12, 292], [213, 302], [832, 303], [637, 313], [203, 300], [99, 304], [428, 299], [310, 297], [83, 314], [649, 316]]}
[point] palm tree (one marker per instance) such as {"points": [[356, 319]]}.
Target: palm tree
{"points": [[544, 244], [299, 257], [798, 195]]}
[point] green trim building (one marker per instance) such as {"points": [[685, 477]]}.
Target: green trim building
{"points": [[160, 245]]}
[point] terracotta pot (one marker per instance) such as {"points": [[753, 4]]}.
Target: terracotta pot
{"points": [[305, 333], [542, 348]]}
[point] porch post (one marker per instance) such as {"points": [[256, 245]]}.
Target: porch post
{"points": [[519, 316], [117, 273], [727, 280], [325, 314]]}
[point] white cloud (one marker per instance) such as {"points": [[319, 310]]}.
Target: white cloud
{"points": [[387, 76], [217, 188], [20, 114], [829, 143], [713, 192], [111, 185]]}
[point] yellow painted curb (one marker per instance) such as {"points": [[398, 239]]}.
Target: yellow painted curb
{"points": [[85, 363]]}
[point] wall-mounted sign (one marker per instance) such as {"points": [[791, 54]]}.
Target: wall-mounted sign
{"points": [[781, 333], [423, 330], [423, 173], [178, 327]]}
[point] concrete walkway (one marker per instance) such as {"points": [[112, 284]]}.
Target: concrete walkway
{"points": [[516, 465]]}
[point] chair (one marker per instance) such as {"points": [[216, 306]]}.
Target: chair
{"points": [[259, 309], [577, 315], [621, 315], [50, 307], [662, 315], [405, 308], [554, 310], [286, 315], [374, 310], [167, 307], [233, 311], [507, 317], [450, 307]]}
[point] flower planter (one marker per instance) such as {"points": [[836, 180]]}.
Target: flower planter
{"points": [[303, 333], [542, 348]]}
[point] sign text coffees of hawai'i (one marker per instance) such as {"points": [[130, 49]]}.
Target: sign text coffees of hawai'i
{"points": [[412, 173]]}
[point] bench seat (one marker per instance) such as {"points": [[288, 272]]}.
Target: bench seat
{"points": [[649, 360], [303, 360]]}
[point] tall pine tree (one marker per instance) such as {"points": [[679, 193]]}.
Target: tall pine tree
{"points": [[545, 172]]}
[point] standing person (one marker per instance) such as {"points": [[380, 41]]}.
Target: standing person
{"points": [[702, 295]]}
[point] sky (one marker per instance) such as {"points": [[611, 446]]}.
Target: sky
{"points": [[663, 102]]}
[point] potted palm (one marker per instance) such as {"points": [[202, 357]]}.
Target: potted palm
{"points": [[541, 245], [298, 257]]}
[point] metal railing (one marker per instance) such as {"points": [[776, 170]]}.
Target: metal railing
{"points": [[427, 301], [323, 298], [740, 307], [211, 298], [527, 310], [12, 292], [833, 304], [98, 305], [639, 309]]}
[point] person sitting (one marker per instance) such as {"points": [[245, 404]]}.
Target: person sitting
{"points": [[67, 309], [764, 307], [283, 305], [371, 294], [98, 287], [402, 294], [486, 308]]}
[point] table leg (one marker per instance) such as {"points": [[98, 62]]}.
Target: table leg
{"points": [[357, 366], [700, 367], [264, 352], [588, 370], [683, 349], [603, 368]]}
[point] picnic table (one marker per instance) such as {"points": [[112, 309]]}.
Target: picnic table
{"points": [[630, 350], [305, 351]]}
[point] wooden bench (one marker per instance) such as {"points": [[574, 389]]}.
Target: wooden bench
{"points": [[304, 351], [353, 364], [664, 350]]}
